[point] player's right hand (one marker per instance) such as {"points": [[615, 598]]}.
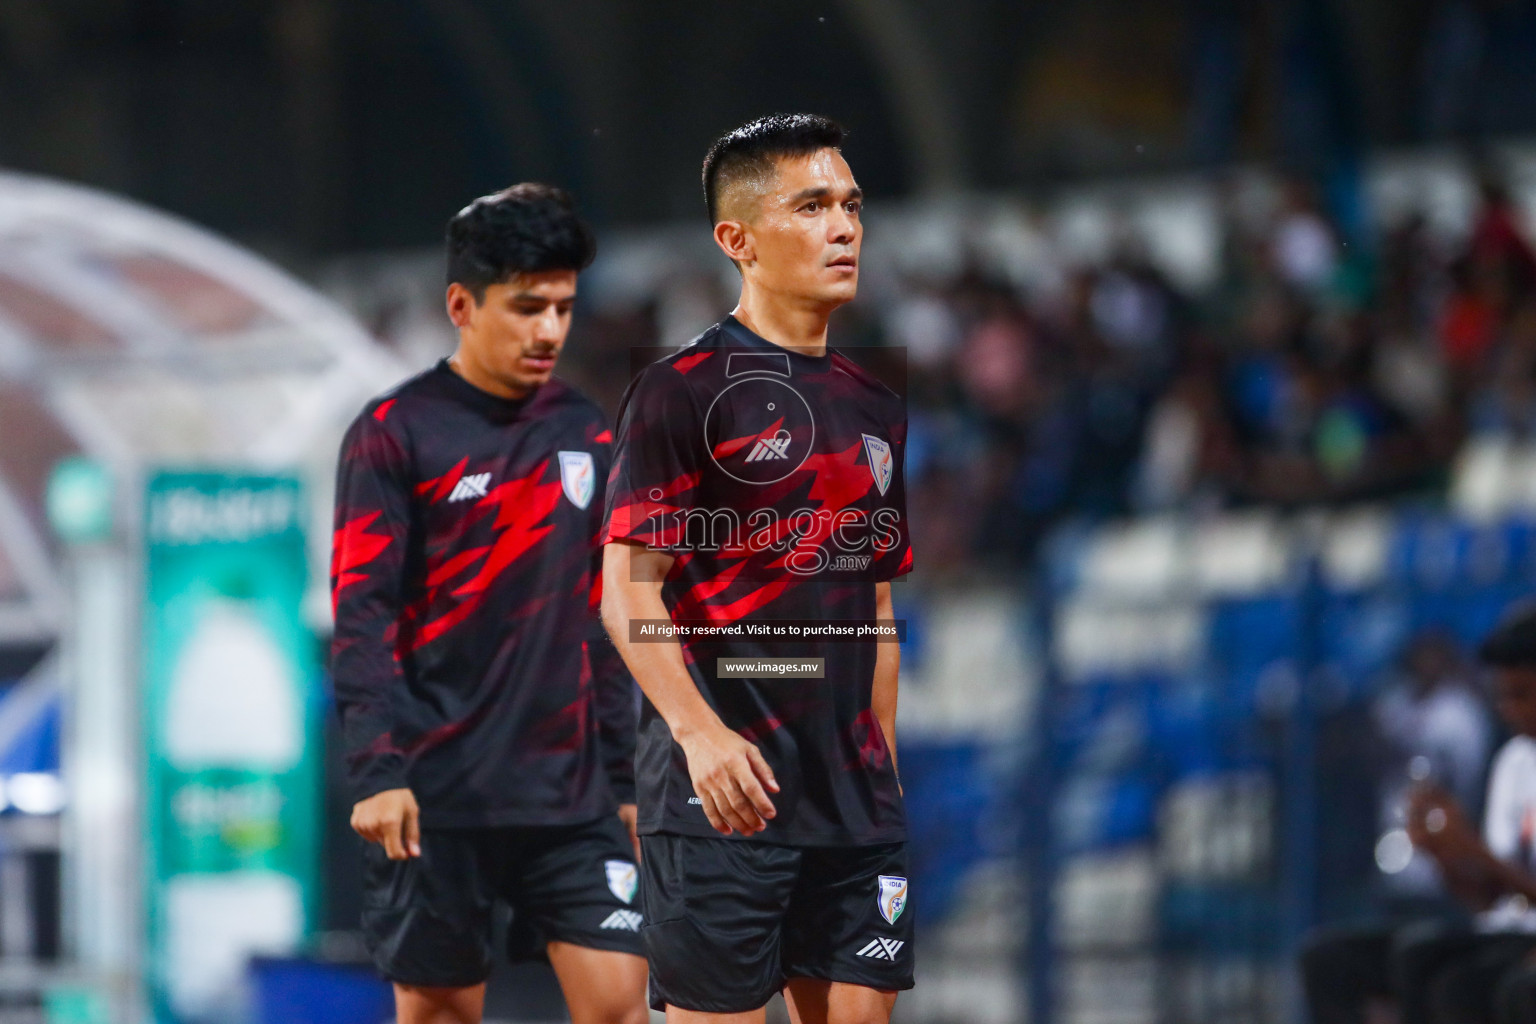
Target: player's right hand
{"points": [[392, 820], [731, 779]]}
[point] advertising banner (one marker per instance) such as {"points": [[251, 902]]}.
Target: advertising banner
{"points": [[231, 735]]}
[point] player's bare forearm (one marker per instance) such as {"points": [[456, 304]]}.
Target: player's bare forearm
{"points": [[632, 579], [887, 673], [730, 776]]}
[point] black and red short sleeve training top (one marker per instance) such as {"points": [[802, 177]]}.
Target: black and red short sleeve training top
{"points": [[468, 660], [775, 480]]}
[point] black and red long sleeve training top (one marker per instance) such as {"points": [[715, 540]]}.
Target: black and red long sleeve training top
{"points": [[469, 661], [775, 480]]}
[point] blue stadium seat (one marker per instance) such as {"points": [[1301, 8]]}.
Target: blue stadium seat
{"points": [[955, 790], [1248, 634], [1361, 634]]}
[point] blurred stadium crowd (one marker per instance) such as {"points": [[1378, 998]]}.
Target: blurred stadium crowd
{"points": [[1217, 476], [1312, 368], [1228, 743]]}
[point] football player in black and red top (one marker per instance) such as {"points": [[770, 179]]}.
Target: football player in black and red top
{"points": [[757, 498], [488, 723]]}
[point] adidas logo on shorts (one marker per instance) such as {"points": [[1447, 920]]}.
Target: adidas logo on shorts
{"points": [[882, 949], [627, 920]]}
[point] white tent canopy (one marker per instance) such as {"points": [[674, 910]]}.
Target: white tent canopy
{"points": [[139, 340]]}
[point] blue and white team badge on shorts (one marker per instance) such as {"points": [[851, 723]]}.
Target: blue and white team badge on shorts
{"points": [[892, 899], [623, 878], [578, 477], [881, 465]]}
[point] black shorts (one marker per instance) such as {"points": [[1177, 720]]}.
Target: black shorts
{"points": [[428, 920], [729, 921]]}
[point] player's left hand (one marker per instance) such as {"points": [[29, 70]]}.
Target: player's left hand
{"points": [[629, 814]]}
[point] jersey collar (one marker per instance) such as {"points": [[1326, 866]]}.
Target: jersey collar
{"points": [[741, 335], [484, 401]]}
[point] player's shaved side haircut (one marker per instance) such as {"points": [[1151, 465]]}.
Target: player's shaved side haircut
{"points": [[747, 154], [524, 229]]}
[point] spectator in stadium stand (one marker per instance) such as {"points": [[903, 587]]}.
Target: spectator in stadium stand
{"points": [[1446, 974], [1491, 280], [1433, 725]]}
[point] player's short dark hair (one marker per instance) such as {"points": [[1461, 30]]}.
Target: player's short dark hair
{"points": [[1512, 644], [525, 229], [751, 149]]}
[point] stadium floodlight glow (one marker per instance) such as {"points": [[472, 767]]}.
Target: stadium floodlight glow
{"points": [[36, 792]]}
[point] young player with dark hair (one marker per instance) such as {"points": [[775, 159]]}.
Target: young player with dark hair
{"points": [[487, 721], [757, 480], [1438, 973]]}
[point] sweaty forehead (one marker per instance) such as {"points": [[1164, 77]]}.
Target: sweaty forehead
{"points": [[824, 168], [748, 191]]}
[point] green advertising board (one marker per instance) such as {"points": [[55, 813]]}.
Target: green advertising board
{"points": [[231, 734]]}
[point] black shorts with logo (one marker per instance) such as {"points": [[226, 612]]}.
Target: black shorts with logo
{"points": [[428, 920], [729, 921]]}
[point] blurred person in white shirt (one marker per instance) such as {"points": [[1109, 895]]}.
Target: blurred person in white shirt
{"points": [[1433, 972], [1435, 726]]}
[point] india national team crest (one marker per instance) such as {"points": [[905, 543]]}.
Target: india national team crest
{"points": [[881, 464], [578, 477], [623, 879], [893, 888]]}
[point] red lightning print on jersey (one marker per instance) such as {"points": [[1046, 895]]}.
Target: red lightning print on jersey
{"points": [[442, 486], [521, 508], [687, 363], [695, 603], [353, 547], [872, 749], [385, 743], [626, 519], [569, 727], [735, 445], [838, 482]]}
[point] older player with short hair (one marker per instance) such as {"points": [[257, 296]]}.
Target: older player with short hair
{"points": [[758, 485]]}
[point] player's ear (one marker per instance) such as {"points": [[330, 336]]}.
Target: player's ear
{"points": [[460, 303], [735, 241]]}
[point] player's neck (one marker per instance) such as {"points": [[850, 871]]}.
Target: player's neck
{"points": [[476, 375], [798, 328]]}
